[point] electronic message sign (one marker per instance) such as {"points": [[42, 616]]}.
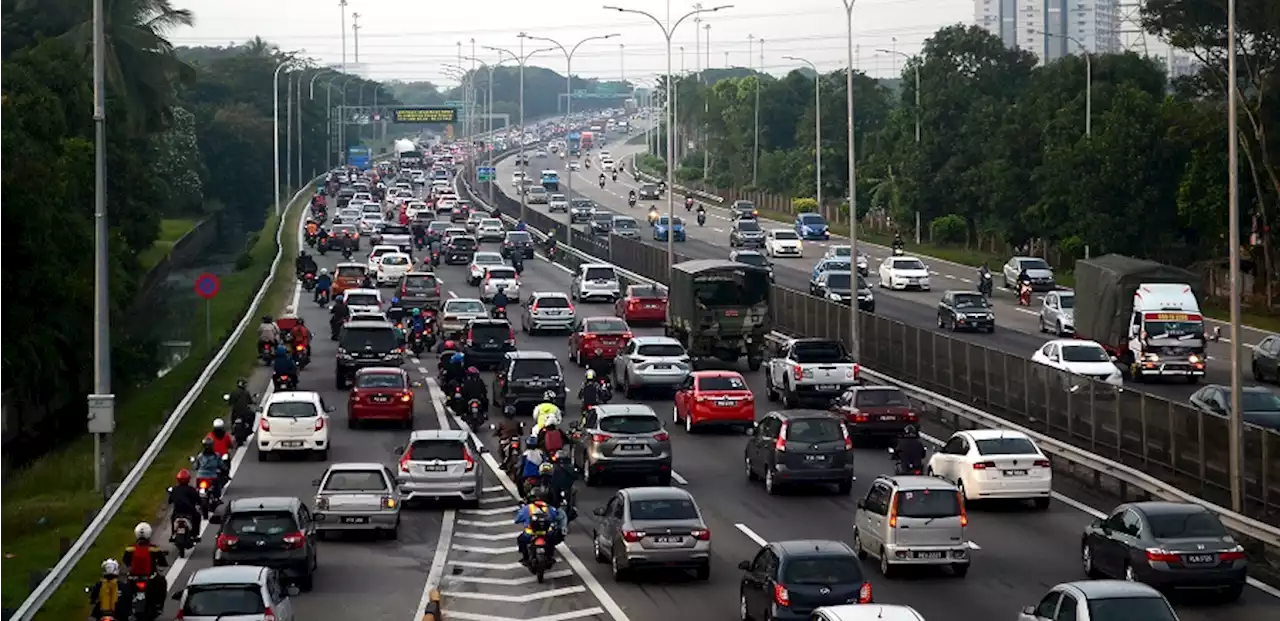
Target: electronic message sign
{"points": [[433, 114]]}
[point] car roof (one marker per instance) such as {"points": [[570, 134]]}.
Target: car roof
{"points": [[363, 266], [961, 292], [589, 265], [1110, 589], [370, 324], [486, 254], [228, 574], [871, 612], [438, 434], [381, 370], [715, 373], [416, 273], [656, 493], [918, 482], [799, 413], [906, 256], [293, 396], [489, 321], [1064, 342], [550, 294], [463, 300], [652, 340], [1164, 507], [377, 292], [812, 547], [619, 409], [355, 465], [522, 354], [264, 503], [993, 434]]}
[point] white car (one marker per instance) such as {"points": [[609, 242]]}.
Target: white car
{"points": [[370, 221], [595, 281], [414, 208], [481, 262], [606, 165], [1080, 357], [294, 421], [500, 277], [370, 317], [904, 273], [783, 243], [490, 229], [606, 155], [517, 178], [452, 232], [392, 267], [458, 312], [988, 464], [362, 197], [575, 165], [376, 254], [363, 300], [558, 202]]}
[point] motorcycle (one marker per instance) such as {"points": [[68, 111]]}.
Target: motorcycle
{"points": [[311, 239], [346, 253], [900, 468], [322, 298], [985, 284], [322, 245], [139, 607], [267, 353], [420, 242], [1024, 294], [475, 414], [309, 281], [208, 502], [540, 557], [631, 200], [601, 183], [551, 253], [688, 204], [435, 258], [284, 381], [301, 355], [417, 342], [499, 312], [653, 215], [702, 217], [615, 177], [605, 391], [182, 538], [898, 250]]}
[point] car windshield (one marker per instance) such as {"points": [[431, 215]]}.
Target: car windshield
{"points": [[541, 368], [395, 260], [648, 187], [812, 219], [840, 281], [624, 223], [1084, 353], [464, 307], [552, 301], [606, 326], [661, 350], [721, 382], [362, 299], [843, 251], [818, 352], [557, 197], [752, 258], [219, 601], [437, 227], [600, 273], [371, 339], [583, 203], [602, 218], [748, 226], [518, 238], [664, 509], [663, 221], [355, 481], [928, 503], [537, 190], [744, 205], [812, 430], [380, 380], [292, 409], [908, 264], [1259, 401], [420, 283], [970, 300], [881, 397], [260, 523], [437, 450], [822, 570], [1130, 608], [1006, 446], [630, 424], [785, 235], [1067, 301], [490, 222], [1192, 524], [1034, 264]]}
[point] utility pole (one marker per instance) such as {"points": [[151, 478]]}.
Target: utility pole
{"points": [[355, 34], [342, 12], [755, 152], [288, 133], [1235, 443], [101, 419], [706, 113]]}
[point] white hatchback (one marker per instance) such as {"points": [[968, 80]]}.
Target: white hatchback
{"points": [[991, 464], [294, 422], [392, 266], [500, 277], [481, 262]]}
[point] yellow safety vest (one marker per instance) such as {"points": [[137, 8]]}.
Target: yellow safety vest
{"points": [[534, 510], [108, 596]]}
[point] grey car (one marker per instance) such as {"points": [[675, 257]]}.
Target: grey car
{"points": [[625, 438], [1057, 313], [800, 447], [546, 311], [651, 362], [244, 593], [1038, 271], [440, 463], [419, 290], [358, 496], [746, 233], [581, 209], [656, 527], [626, 226], [269, 531], [538, 195]]}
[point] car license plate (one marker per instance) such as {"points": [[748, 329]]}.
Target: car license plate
{"points": [[434, 468], [726, 404], [827, 386], [662, 366], [815, 458], [291, 443], [889, 417], [1015, 473], [928, 555], [668, 539], [631, 448], [1200, 558], [354, 519], [381, 399], [652, 306]]}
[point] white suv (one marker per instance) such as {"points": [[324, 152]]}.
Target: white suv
{"points": [[596, 281], [293, 422]]}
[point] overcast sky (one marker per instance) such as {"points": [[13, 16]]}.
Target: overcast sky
{"points": [[412, 40]]}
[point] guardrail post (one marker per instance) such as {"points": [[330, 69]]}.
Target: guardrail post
{"points": [[1204, 468]]}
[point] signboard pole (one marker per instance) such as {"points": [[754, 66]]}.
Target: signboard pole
{"points": [[208, 322]]}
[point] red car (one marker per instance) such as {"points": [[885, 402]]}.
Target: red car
{"points": [[598, 339], [642, 303], [715, 398], [380, 394]]}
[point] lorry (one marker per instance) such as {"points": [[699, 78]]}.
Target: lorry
{"points": [[587, 140], [720, 309], [574, 141], [407, 154], [809, 369], [1145, 313]]}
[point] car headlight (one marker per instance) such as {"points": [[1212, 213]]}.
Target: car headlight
{"points": [[1150, 357]]}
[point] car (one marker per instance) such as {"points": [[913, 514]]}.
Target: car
{"points": [[746, 233], [249, 592], [601, 222], [794, 447], [362, 197], [452, 232], [598, 338], [623, 226], [473, 221], [811, 226], [419, 290], [991, 464], [487, 342], [875, 412], [376, 253], [380, 394], [902, 273], [1038, 271], [518, 177], [1057, 313], [458, 312], [480, 262], [392, 267], [538, 195], [363, 300], [793, 578], [573, 164], [652, 527], [499, 278], [647, 362], [581, 210], [965, 310], [527, 378], [394, 235], [366, 344], [1266, 359], [661, 229], [490, 229], [440, 463], [415, 207], [459, 250], [1168, 545], [606, 164], [860, 612], [517, 243], [357, 496], [558, 202], [642, 303], [753, 257], [1100, 600], [841, 251], [595, 281], [783, 243], [648, 192], [294, 421], [836, 286], [275, 532], [541, 154], [913, 521], [714, 399], [368, 316], [370, 221], [348, 276], [546, 311], [742, 209], [1080, 357], [1259, 405], [622, 438]]}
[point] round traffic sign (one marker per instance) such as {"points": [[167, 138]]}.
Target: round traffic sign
{"points": [[207, 285]]}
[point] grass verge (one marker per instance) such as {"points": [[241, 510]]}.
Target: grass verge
{"points": [[52, 499], [171, 230]]}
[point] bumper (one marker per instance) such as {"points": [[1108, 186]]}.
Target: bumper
{"points": [[645, 315], [984, 325], [815, 235], [598, 294], [751, 243], [293, 564], [787, 252], [389, 411], [525, 251], [713, 415], [530, 399], [460, 258], [1169, 369], [1211, 578], [579, 217], [1033, 488], [927, 555], [269, 444], [348, 368], [356, 520], [886, 429], [492, 236], [903, 285], [823, 391], [657, 379], [813, 475], [536, 323], [638, 556], [486, 357], [466, 489], [630, 465], [599, 353]]}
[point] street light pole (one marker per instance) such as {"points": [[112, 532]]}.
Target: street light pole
{"points": [[1088, 78], [853, 172], [667, 32], [522, 59], [1236, 439], [275, 127], [488, 111], [101, 402], [755, 152], [342, 121], [918, 67], [706, 112], [817, 127], [342, 11]]}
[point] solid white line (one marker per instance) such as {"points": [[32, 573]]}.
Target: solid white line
{"points": [[678, 479], [443, 542], [563, 616], [560, 573], [515, 599], [751, 534]]}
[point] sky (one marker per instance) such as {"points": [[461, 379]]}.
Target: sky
{"points": [[414, 40]]}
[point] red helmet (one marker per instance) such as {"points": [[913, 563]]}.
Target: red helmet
{"points": [[450, 345], [184, 476]]}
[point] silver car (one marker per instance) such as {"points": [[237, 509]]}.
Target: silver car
{"points": [[440, 464], [652, 527], [458, 312], [627, 439], [241, 592], [358, 496], [473, 221], [479, 263], [1038, 271], [1057, 313], [651, 362], [500, 277], [626, 226], [547, 311], [1084, 600], [559, 202], [538, 195]]}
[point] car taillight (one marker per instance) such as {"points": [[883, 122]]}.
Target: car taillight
{"points": [[911, 417], [268, 614], [224, 542], [661, 436], [406, 396], [780, 596], [141, 584], [632, 303], [264, 425], [404, 461], [798, 372], [437, 288], [858, 416], [471, 461], [632, 536], [511, 336], [983, 465], [1041, 463], [701, 534], [571, 309], [864, 593], [600, 437], [295, 540], [534, 308], [1158, 555], [964, 513], [848, 441], [893, 511], [1232, 555], [319, 423], [781, 444]]}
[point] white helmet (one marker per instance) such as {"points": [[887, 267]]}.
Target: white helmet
{"points": [[591, 374], [324, 271], [142, 531], [288, 310], [110, 567], [218, 423]]}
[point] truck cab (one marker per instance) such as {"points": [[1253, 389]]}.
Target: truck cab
{"points": [[1166, 333]]}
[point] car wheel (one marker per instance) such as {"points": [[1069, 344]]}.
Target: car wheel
{"points": [[262, 455], [844, 488], [857, 545], [628, 390], [597, 549], [771, 485], [751, 473], [352, 423], [577, 357], [1060, 331], [770, 393], [675, 415], [703, 572], [941, 325], [322, 454], [960, 569], [886, 568], [743, 612], [306, 582], [1042, 503], [615, 566], [688, 424], [394, 533]]}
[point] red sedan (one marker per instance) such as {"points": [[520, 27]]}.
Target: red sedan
{"points": [[715, 398], [642, 303], [380, 394], [598, 339]]}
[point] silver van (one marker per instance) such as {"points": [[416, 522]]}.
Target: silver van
{"points": [[440, 463], [912, 520]]}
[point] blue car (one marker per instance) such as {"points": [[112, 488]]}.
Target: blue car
{"points": [[812, 226], [660, 229], [829, 264]]}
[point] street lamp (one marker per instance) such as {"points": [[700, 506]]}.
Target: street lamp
{"points": [[521, 59], [568, 89], [817, 127], [1088, 79], [667, 32], [1235, 445], [275, 125], [466, 84], [342, 144], [328, 120], [853, 172], [917, 72], [488, 111]]}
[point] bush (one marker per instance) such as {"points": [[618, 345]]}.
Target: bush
{"points": [[804, 204], [949, 229]]}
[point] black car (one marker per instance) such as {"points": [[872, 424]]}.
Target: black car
{"points": [[875, 412], [517, 242], [487, 342], [1266, 360], [648, 192], [365, 344], [1168, 545], [524, 379], [419, 290], [435, 230], [965, 310], [272, 531], [833, 285], [1261, 406], [743, 209], [602, 223], [789, 579], [753, 257], [796, 447], [344, 197], [460, 250]]}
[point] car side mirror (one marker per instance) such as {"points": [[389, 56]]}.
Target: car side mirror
{"points": [[177, 595], [744, 565], [293, 590], [329, 409], [399, 450], [1115, 359], [1029, 610], [862, 503], [598, 512]]}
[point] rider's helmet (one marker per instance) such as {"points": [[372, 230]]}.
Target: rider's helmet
{"points": [[266, 319], [142, 531], [415, 312], [281, 350], [591, 374], [110, 568], [545, 468], [531, 442], [509, 411], [456, 358], [450, 345], [288, 310], [324, 271], [910, 431], [242, 383], [219, 424], [184, 476], [207, 442], [302, 255]]}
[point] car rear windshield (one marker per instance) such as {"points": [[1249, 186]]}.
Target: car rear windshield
{"points": [[785, 235], [908, 264], [971, 300], [664, 350], [721, 383], [840, 281], [1084, 353], [749, 226], [812, 218], [630, 424], [351, 271], [1130, 608], [375, 339], [1067, 301], [462, 242], [380, 380], [395, 229], [928, 503], [1185, 525], [812, 430], [600, 273], [219, 601], [1034, 264], [362, 299], [648, 291], [624, 223], [292, 409], [1006, 446], [433, 450], [485, 332], [504, 274], [395, 259], [818, 352], [437, 226], [535, 368], [663, 509], [464, 307], [553, 302], [881, 398], [518, 237], [262, 523], [822, 570], [420, 283], [753, 259], [356, 481]]}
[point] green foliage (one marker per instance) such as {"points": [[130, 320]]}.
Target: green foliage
{"points": [[543, 92], [949, 229], [801, 205]]}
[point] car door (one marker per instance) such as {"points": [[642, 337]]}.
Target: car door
{"points": [[308, 526], [280, 603], [875, 512], [769, 431], [1049, 311], [945, 465], [754, 581], [500, 381], [622, 362], [1048, 606], [684, 394], [1107, 549], [587, 427], [1011, 272], [1270, 354], [946, 314], [575, 337]]}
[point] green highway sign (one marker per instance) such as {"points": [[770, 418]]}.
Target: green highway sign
{"points": [[486, 173]]}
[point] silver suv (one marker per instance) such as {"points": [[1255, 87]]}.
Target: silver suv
{"points": [[912, 520], [651, 362], [652, 527], [624, 439], [440, 463], [547, 311]]}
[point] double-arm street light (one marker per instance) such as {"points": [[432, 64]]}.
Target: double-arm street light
{"points": [[853, 172], [522, 59], [488, 116], [917, 69], [289, 60], [668, 29], [817, 127], [1088, 78]]}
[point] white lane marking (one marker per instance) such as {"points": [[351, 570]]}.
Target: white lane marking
{"points": [[514, 599], [560, 573], [436, 574], [486, 549], [452, 294], [679, 479], [1027, 311], [485, 524], [488, 536], [490, 501], [751, 534], [488, 566], [564, 616], [498, 511], [487, 488]]}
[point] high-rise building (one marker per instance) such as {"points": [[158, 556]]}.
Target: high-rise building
{"points": [[1047, 27]]}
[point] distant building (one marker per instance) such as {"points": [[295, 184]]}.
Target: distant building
{"points": [[1042, 27]]}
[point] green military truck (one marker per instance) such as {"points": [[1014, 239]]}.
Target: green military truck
{"points": [[720, 309]]}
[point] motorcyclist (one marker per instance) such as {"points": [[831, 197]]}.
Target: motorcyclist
{"points": [[500, 299], [910, 450], [517, 262], [602, 180], [312, 230], [530, 460], [339, 313], [473, 387], [287, 320], [563, 477], [590, 391], [301, 336], [688, 202], [539, 519], [368, 282], [104, 595], [208, 465], [507, 428], [324, 285], [543, 413], [615, 174], [268, 333], [550, 438], [454, 371], [417, 323], [984, 279], [241, 402], [631, 198], [898, 244], [283, 364], [223, 442], [186, 502], [144, 559], [305, 263]]}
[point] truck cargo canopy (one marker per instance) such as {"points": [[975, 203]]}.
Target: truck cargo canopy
{"points": [[1104, 292]]}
